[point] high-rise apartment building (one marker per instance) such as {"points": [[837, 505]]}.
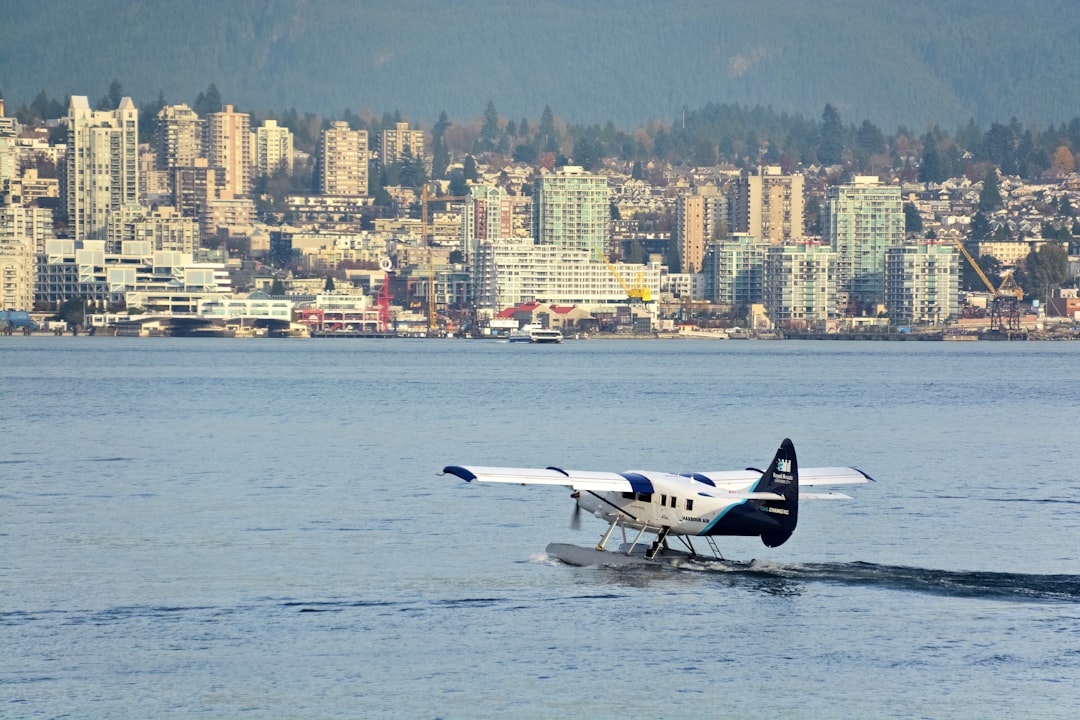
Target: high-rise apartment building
{"points": [[735, 269], [863, 219], [227, 144], [194, 189], [696, 218], [102, 165], [343, 160], [799, 285], [24, 231], [165, 229], [392, 143], [179, 137], [571, 210], [922, 283], [273, 148], [769, 205], [9, 131]]}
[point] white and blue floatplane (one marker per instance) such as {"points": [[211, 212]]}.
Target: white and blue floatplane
{"points": [[662, 505]]}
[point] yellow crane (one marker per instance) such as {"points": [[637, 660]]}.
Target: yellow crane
{"points": [[1005, 305], [637, 293], [1008, 282], [425, 230]]}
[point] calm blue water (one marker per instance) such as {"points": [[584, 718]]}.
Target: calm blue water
{"points": [[232, 528]]}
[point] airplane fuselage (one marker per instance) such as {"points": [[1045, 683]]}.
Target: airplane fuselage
{"points": [[683, 505]]}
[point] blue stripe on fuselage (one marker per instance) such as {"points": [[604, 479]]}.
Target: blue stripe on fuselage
{"points": [[720, 517], [729, 508], [639, 482]]}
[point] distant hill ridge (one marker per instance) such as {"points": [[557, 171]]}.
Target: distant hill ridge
{"points": [[916, 63]]}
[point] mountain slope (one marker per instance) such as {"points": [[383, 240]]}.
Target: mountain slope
{"points": [[915, 63]]}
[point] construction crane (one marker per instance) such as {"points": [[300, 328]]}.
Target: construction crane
{"points": [[384, 297], [637, 293], [1005, 303], [425, 230]]}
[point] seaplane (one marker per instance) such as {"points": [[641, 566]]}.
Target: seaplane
{"points": [[680, 506]]}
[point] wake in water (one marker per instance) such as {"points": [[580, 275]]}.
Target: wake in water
{"points": [[1006, 586]]}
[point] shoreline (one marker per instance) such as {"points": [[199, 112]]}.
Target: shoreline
{"points": [[1018, 336]]}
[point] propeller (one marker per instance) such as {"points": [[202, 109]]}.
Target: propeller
{"points": [[575, 519]]}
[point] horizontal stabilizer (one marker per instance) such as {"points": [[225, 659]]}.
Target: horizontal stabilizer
{"points": [[734, 495], [824, 496], [737, 479]]}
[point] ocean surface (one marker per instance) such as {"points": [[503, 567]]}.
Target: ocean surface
{"points": [[258, 528]]}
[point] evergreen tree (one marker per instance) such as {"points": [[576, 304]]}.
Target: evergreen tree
{"points": [[410, 170], [979, 228], [470, 170], [870, 138], [328, 286], [831, 147], [812, 215], [489, 131], [587, 154], [998, 148], [1046, 268], [148, 116], [440, 155], [547, 138], [990, 195], [931, 167], [705, 153], [1065, 208], [116, 94], [459, 187], [912, 220], [525, 153], [208, 102]]}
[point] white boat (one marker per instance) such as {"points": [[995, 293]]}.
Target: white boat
{"points": [[536, 334]]}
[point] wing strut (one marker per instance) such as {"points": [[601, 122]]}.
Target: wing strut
{"points": [[607, 535]]}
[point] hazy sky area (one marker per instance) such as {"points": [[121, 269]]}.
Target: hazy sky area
{"points": [[914, 63]]}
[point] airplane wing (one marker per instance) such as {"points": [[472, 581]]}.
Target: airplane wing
{"points": [[577, 479], [728, 483]]}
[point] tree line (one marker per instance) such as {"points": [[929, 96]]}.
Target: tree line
{"points": [[710, 135]]}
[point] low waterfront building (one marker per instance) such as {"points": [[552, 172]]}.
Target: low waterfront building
{"points": [[256, 305], [564, 318], [511, 272], [158, 281]]}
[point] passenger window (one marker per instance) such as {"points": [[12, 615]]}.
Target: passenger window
{"points": [[663, 500], [689, 505], [645, 497], [673, 501], [628, 496]]}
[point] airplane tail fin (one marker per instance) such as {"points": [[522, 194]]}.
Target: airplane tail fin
{"points": [[782, 478]]}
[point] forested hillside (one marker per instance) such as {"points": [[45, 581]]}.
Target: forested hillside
{"points": [[916, 63]]}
